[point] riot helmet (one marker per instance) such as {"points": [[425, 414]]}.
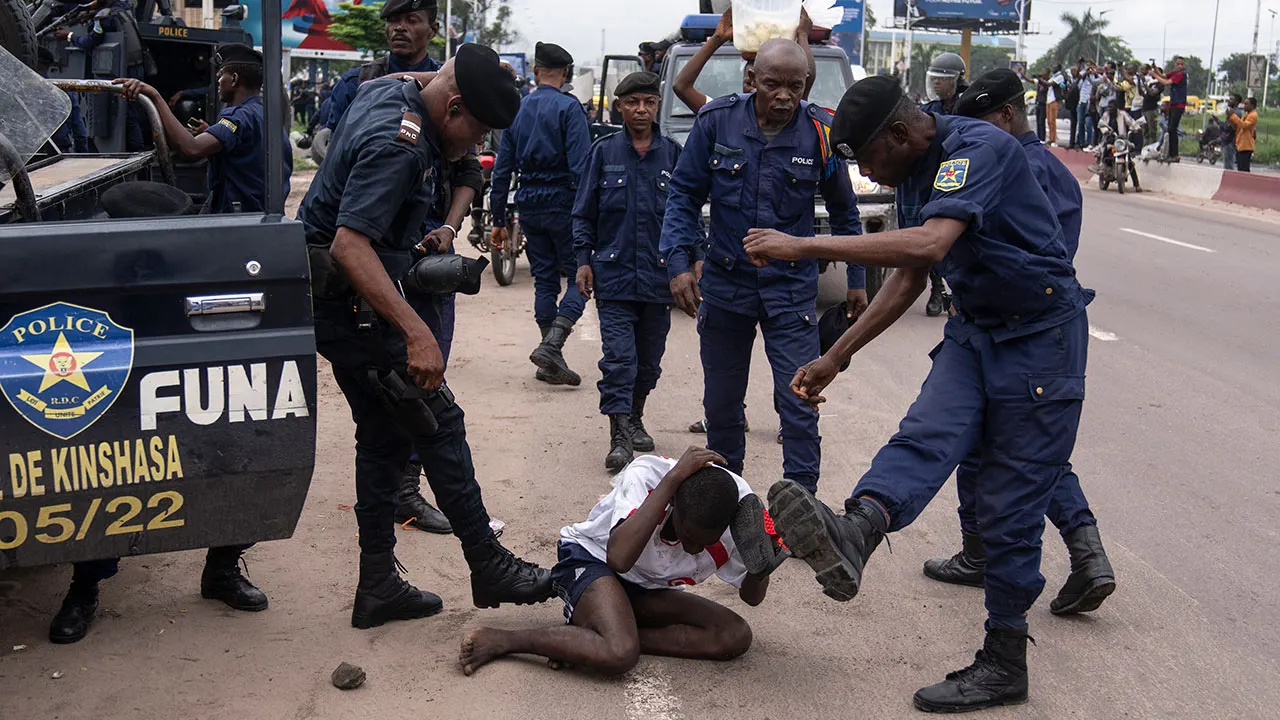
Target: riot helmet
{"points": [[942, 82]]}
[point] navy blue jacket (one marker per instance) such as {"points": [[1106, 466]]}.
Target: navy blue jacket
{"points": [[1060, 186], [237, 174], [754, 183], [1010, 271], [548, 145], [617, 217], [345, 91]]}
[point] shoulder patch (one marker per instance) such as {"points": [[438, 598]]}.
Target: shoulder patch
{"points": [[951, 175], [227, 122], [410, 128]]}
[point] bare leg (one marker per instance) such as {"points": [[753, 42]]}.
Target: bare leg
{"points": [[684, 625], [602, 636]]}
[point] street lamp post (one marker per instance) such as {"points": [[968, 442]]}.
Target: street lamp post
{"points": [[1098, 59], [1164, 43], [1022, 28], [1213, 47], [1266, 76]]}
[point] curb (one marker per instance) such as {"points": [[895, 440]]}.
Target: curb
{"points": [[1191, 180]]}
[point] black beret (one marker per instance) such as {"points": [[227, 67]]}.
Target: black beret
{"points": [[236, 53], [395, 7], [550, 56], [486, 86], [648, 48], [831, 326], [990, 92], [863, 111], [144, 199], [639, 82]]}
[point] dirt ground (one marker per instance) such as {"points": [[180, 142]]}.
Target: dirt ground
{"points": [[1159, 649]]}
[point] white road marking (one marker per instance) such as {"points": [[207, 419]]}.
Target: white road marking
{"points": [[1100, 334], [649, 695], [1179, 243]]}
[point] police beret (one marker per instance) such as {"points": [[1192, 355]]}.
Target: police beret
{"points": [[550, 56], [645, 83], [144, 199], [648, 48], [236, 53], [831, 326], [989, 93], [863, 112], [395, 7], [486, 86]]}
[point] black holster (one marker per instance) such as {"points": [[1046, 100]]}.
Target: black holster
{"points": [[413, 408]]}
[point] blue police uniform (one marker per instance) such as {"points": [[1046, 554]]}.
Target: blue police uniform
{"points": [[547, 145], [936, 107], [237, 174], [617, 219], [378, 182], [72, 136], [753, 182], [342, 95], [1008, 377], [1068, 508], [118, 17]]}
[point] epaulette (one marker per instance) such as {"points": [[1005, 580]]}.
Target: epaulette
{"points": [[724, 101], [820, 114]]}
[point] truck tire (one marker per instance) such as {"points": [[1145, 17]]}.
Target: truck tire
{"points": [[17, 34]]}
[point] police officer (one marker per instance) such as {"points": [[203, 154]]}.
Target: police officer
{"points": [[235, 143], [1007, 378], [548, 145], [363, 215], [117, 16], [997, 97], [617, 219], [71, 136], [944, 82], [759, 157], [221, 578]]}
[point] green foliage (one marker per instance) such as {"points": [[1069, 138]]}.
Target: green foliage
{"points": [[1084, 38], [1197, 74], [359, 27], [985, 58], [474, 15]]}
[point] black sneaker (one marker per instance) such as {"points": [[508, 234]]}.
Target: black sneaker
{"points": [[998, 676], [498, 576], [835, 546]]}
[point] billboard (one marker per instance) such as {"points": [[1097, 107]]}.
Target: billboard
{"points": [[999, 11], [848, 32], [304, 27]]}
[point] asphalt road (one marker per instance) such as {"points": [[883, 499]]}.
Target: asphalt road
{"points": [[1177, 454]]}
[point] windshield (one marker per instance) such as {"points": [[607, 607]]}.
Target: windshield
{"points": [[723, 76]]}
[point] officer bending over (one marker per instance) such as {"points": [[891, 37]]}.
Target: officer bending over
{"points": [[235, 143], [1007, 378], [117, 16], [617, 219], [221, 579], [997, 98], [363, 215], [547, 145], [759, 158]]}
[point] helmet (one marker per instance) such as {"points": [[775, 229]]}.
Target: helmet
{"points": [[942, 82]]}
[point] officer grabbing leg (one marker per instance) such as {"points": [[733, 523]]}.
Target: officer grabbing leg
{"points": [[1008, 377], [547, 145], [363, 214]]}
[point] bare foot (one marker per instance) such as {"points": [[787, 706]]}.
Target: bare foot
{"points": [[479, 647]]}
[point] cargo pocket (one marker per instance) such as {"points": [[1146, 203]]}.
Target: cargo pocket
{"points": [[1039, 427]]}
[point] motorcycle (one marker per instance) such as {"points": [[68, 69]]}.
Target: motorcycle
{"points": [[1114, 159], [503, 259], [1211, 142]]}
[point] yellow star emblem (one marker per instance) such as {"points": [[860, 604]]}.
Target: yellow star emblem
{"points": [[63, 364]]}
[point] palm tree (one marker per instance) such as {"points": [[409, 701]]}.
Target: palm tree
{"points": [[921, 56], [1082, 38]]}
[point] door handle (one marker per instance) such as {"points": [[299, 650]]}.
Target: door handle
{"points": [[222, 304]]}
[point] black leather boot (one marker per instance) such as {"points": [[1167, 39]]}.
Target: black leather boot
{"points": [[1091, 579], [998, 676], [641, 440], [619, 443], [413, 509], [550, 354], [498, 576], [835, 546], [967, 567], [542, 375], [383, 595], [222, 580], [72, 622]]}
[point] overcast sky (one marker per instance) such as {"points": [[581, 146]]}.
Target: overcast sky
{"points": [[576, 24]]}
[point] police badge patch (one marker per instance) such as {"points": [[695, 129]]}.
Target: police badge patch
{"points": [[951, 175], [62, 366]]}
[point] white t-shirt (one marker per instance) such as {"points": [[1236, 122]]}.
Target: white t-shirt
{"points": [[1055, 85], [662, 564]]}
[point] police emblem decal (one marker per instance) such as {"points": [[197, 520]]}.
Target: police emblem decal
{"points": [[62, 366], [951, 175]]}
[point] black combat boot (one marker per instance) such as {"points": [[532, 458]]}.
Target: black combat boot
{"points": [[1091, 579], [222, 580], [619, 443], [641, 440], [72, 622], [967, 567], [835, 546], [760, 552], [383, 595], [498, 576], [998, 676], [413, 509], [550, 354], [542, 375]]}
